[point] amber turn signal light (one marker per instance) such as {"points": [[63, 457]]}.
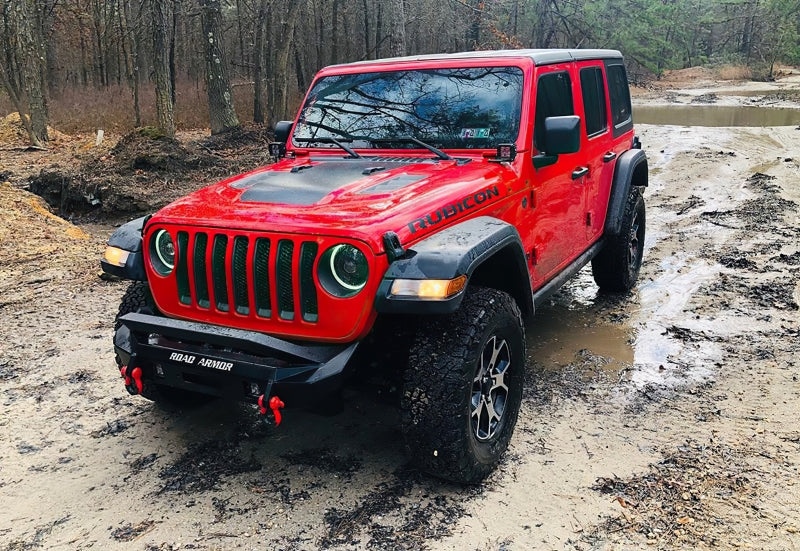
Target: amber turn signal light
{"points": [[431, 289], [116, 256]]}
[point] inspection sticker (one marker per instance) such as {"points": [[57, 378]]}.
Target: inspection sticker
{"points": [[475, 133]]}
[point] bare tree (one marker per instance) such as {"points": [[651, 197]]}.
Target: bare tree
{"points": [[221, 113], [165, 106]]}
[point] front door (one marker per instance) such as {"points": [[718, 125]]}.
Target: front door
{"points": [[558, 229]]}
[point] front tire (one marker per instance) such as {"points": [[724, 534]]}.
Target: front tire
{"points": [[616, 267], [463, 387]]}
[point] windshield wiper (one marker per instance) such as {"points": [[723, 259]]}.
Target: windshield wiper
{"points": [[411, 139], [336, 141]]}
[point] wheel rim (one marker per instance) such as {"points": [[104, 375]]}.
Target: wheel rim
{"points": [[489, 389], [634, 244]]}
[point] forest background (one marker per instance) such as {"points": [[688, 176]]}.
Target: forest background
{"points": [[81, 65]]}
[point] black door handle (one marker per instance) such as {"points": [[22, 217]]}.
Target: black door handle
{"points": [[580, 172], [610, 156]]}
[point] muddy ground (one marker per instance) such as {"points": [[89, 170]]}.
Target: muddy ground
{"points": [[664, 419]]}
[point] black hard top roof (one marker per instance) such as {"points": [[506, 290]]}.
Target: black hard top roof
{"points": [[539, 57]]}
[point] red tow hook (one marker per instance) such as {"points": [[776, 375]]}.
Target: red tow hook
{"points": [[275, 404], [133, 381]]}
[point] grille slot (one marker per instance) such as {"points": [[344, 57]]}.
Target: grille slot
{"points": [[241, 297], [308, 290], [283, 278], [261, 285], [182, 269], [200, 273], [219, 273]]}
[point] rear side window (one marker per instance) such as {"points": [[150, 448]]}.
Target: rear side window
{"points": [[553, 99], [594, 100], [620, 98]]}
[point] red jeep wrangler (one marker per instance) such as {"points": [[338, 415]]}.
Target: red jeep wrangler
{"points": [[448, 193]]}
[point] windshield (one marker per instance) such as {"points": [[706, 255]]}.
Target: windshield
{"points": [[445, 108]]}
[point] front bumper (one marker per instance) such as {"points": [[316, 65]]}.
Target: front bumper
{"points": [[227, 362]]}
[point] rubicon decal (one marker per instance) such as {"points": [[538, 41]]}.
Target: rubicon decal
{"points": [[453, 209], [202, 362]]}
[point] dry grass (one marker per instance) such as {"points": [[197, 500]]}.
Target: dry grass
{"points": [[734, 72], [13, 133]]}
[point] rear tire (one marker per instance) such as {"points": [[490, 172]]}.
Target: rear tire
{"points": [[139, 299], [463, 387], [616, 267]]}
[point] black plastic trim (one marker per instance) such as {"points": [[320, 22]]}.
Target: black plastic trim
{"points": [[629, 163], [128, 236], [545, 291]]}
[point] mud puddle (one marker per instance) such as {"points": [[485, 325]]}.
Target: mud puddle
{"points": [[715, 115]]}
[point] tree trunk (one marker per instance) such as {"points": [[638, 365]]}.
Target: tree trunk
{"points": [[258, 64], [177, 12], [165, 106], [221, 113], [32, 55], [367, 30], [279, 105], [398, 44]]}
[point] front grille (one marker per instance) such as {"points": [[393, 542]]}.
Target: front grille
{"points": [[251, 276]]}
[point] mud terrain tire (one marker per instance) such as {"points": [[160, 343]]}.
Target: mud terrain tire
{"points": [[616, 267], [452, 387], [139, 299]]}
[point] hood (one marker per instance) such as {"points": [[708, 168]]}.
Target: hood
{"points": [[362, 198]]}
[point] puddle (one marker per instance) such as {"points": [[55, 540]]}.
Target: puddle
{"points": [[558, 336], [576, 329], [573, 327], [715, 115]]}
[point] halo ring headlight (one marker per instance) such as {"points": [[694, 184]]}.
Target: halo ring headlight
{"points": [[162, 252], [343, 270]]}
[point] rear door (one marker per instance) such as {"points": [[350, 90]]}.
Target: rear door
{"points": [[596, 147], [617, 140]]}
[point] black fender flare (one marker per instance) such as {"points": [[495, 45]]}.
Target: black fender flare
{"points": [[465, 248], [629, 170], [128, 237]]}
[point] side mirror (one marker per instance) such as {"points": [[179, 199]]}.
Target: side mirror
{"points": [[283, 130], [561, 135]]}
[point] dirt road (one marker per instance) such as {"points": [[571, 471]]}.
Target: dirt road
{"points": [[666, 418]]}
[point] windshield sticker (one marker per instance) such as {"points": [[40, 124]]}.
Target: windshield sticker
{"points": [[453, 209], [475, 133]]}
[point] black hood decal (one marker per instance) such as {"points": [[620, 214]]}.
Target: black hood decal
{"points": [[308, 184]]}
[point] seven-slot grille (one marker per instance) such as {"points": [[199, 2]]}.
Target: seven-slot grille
{"points": [[257, 276]]}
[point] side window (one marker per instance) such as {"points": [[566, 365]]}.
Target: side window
{"points": [[620, 96], [594, 100], [553, 99]]}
